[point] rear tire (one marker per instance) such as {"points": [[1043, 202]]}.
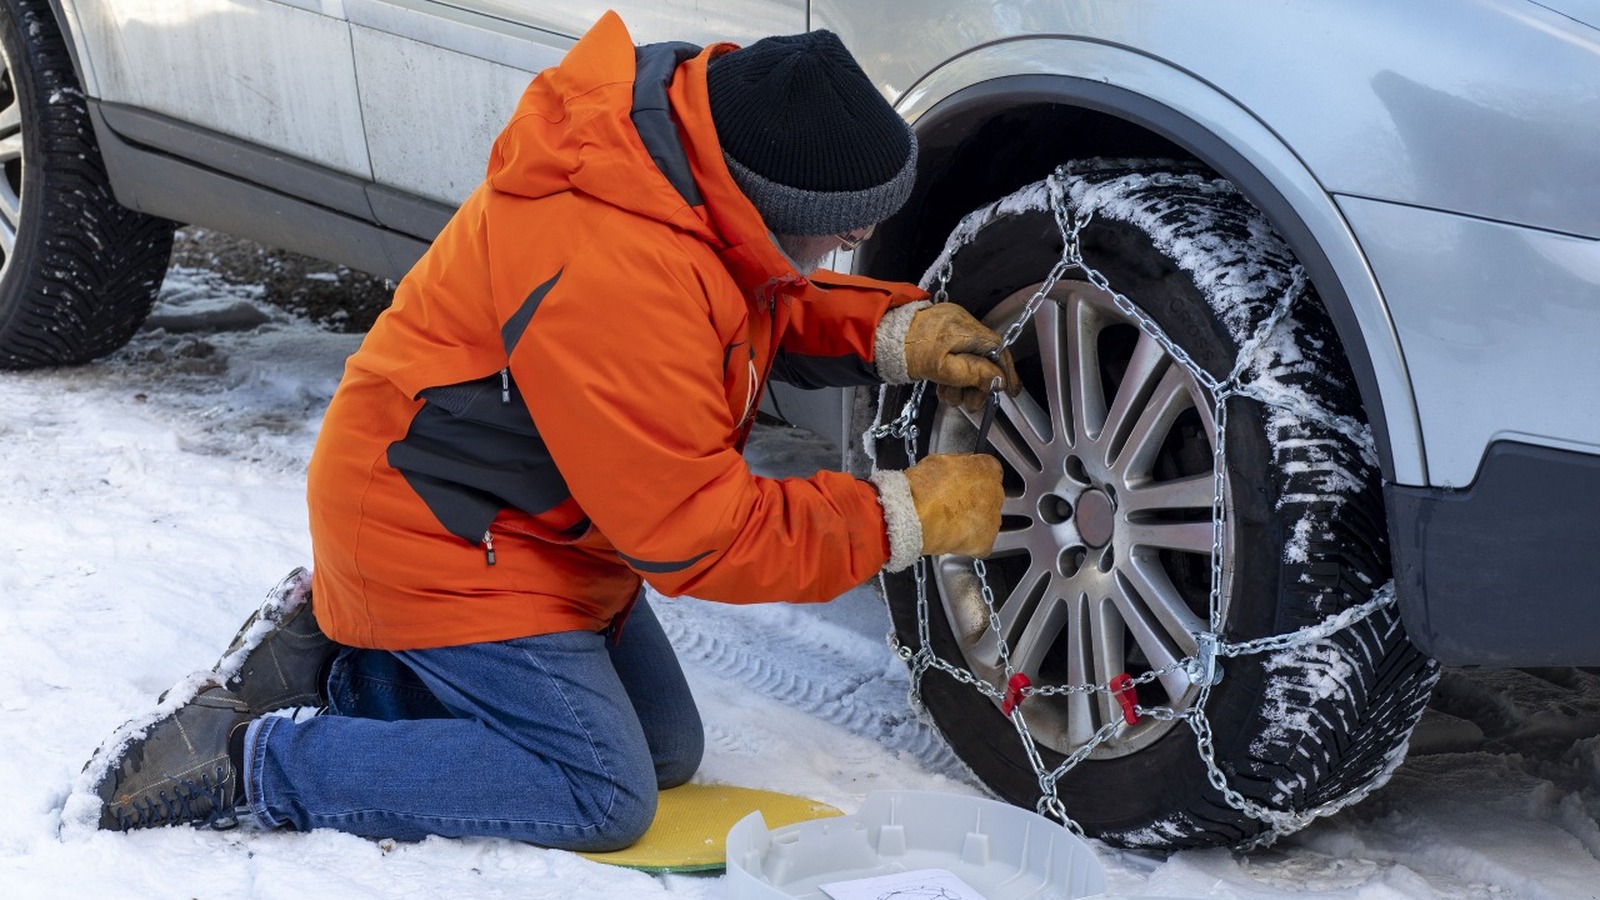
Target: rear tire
{"points": [[1083, 598], [79, 271]]}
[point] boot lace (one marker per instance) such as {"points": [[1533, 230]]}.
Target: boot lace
{"points": [[206, 801]]}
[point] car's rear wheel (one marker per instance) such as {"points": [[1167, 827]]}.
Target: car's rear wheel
{"points": [[1104, 562], [79, 271]]}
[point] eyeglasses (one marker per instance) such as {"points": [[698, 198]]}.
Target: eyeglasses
{"points": [[850, 240]]}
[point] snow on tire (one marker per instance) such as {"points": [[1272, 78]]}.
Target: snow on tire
{"points": [[79, 271], [1104, 562]]}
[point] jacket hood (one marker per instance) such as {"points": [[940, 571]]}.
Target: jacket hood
{"points": [[631, 126]]}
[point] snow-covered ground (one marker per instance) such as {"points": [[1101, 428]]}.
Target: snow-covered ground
{"points": [[150, 500]]}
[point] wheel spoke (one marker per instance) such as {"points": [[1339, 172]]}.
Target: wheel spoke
{"points": [[1190, 537], [1019, 505], [1053, 362], [1014, 433], [1016, 614], [10, 119], [1088, 401], [1175, 495], [1142, 379], [10, 195], [1137, 456], [10, 209], [1081, 718], [1108, 631], [1154, 637], [1039, 634], [1149, 587], [1034, 539]]}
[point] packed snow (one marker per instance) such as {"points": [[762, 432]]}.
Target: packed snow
{"points": [[152, 499]]}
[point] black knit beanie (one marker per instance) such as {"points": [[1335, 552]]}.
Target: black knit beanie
{"points": [[807, 137]]}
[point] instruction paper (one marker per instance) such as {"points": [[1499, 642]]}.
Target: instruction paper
{"points": [[920, 884]]}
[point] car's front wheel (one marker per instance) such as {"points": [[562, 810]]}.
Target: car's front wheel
{"points": [[1103, 569], [78, 271]]}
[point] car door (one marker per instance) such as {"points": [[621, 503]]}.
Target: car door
{"points": [[273, 73], [440, 79]]}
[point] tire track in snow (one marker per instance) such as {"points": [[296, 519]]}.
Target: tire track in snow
{"points": [[1542, 722], [788, 655]]}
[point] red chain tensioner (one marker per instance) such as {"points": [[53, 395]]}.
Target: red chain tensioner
{"points": [[1014, 688], [1122, 688]]}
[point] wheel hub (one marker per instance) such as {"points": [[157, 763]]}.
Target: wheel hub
{"points": [[1096, 518]]}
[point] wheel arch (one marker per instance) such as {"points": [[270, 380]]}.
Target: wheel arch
{"points": [[994, 120], [67, 24]]}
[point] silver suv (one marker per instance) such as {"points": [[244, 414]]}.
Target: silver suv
{"points": [[1306, 296]]}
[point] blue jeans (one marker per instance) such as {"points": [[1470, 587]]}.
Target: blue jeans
{"points": [[561, 740]]}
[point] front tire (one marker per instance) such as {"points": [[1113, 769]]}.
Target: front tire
{"points": [[79, 271], [1103, 564]]}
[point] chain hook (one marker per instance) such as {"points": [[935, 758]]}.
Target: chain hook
{"points": [[1202, 667]]}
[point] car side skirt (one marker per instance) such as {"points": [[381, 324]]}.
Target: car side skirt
{"points": [[1507, 571], [163, 167]]}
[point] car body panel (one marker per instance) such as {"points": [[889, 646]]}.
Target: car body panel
{"points": [[439, 79], [1585, 11], [242, 68], [649, 21], [1427, 102], [435, 92], [1500, 327]]}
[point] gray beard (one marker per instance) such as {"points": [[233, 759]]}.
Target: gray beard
{"points": [[802, 250]]}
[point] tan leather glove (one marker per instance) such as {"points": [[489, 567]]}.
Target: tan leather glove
{"points": [[947, 346], [957, 497]]}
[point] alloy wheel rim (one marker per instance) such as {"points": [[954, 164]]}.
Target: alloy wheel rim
{"points": [[11, 162], [1102, 565]]}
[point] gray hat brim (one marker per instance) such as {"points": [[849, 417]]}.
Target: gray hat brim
{"points": [[790, 210]]}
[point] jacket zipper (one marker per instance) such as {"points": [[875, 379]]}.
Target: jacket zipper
{"points": [[772, 357], [751, 386], [488, 548]]}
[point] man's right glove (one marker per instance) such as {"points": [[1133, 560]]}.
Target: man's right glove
{"points": [[944, 344], [947, 503], [947, 346]]}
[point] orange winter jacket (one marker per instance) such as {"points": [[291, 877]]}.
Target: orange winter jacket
{"points": [[555, 404]]}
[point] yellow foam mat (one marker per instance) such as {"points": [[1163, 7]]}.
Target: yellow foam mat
{"points": [[692, 821]]}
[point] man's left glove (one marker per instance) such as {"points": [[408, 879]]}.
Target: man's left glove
{"points": [[947, 346]]}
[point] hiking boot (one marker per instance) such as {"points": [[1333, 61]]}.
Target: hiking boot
{"points": [[278, 658], [180, 770]]}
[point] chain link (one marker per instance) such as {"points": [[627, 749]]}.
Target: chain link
{"points": [[1202, 668]]}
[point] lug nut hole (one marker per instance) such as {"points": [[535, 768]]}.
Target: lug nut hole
{"points": [[1076, 470], [1054, 509]]}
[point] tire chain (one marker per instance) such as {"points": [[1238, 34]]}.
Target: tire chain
{"points": [[1202, 668]]}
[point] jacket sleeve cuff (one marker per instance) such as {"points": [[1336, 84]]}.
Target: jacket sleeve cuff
{"points": [[899, 517], [889, 342]]}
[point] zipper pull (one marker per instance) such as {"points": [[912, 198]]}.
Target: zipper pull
{"points": [[488, 548], [505, 394]]}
